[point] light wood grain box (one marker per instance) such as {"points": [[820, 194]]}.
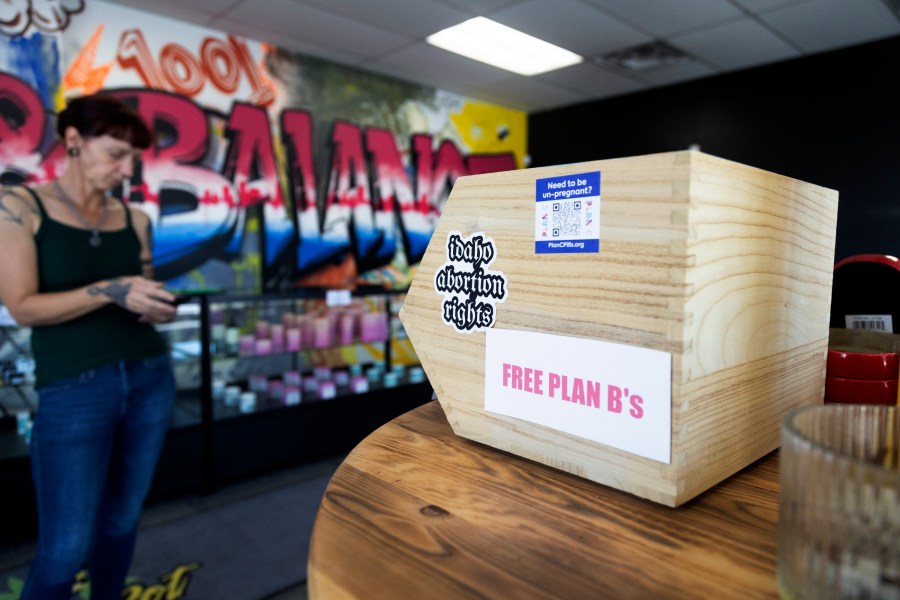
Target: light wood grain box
{"points": [[726, 267]]}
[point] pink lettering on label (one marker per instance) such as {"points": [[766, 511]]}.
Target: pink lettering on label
{"points": [[565, 389], [538, 382], [517, 377], [523, 378], [614, 399], [578, 390], [593, 393], [554, 384], [573, 389], [637, 408]]}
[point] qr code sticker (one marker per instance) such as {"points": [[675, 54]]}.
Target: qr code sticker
{"points": [[567, 219]]}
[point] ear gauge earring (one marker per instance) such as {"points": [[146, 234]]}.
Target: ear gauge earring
{"points": [[73, 151]]}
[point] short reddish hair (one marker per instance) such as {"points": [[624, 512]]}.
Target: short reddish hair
{"points": [[102, 114]]}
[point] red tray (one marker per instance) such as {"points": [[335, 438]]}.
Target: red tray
{"points": [[860, 391]]}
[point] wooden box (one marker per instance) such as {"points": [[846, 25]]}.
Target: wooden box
{"points": [[725, 267]]}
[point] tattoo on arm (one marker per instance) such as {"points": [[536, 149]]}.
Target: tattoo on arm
{"points": [[6, 210], [114, 290]]}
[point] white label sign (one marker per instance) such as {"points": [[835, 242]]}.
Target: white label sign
{"points": [[614, 394]]}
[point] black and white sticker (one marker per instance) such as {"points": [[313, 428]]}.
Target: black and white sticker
{"points": [[471, 290]]}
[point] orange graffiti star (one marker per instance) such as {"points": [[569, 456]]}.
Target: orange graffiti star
{"points": [[83, 74]]}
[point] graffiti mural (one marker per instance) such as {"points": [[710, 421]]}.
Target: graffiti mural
{"points": [[270, 169]]}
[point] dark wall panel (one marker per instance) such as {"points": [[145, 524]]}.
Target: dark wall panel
{"points": [[832, 119]]}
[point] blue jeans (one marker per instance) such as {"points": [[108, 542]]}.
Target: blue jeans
{"points": [[96, 440]]}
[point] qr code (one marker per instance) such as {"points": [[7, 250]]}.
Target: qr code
{"points": [[567, 219]]}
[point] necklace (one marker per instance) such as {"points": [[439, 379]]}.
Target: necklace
{"points": [[95, 240]]}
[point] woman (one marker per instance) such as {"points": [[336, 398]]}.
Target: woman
{"points": [[75, 267]]}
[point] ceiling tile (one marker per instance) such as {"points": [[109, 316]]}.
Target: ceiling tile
{"points": [[316, 26], [292, 43], [761, 6], [210, 7], [592, 79], [413, 18], [570, 24], [434, 66], [386, 36], [177, 11], [216, 7], [735, 45], [821, 25], [528, 94], [661, 18], [480, 7]]}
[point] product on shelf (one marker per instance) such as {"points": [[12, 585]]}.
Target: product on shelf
{"points": [[248, 402], [323, 333], [416, 375], [276, 335], [292, 378], [341, 378], [277, 390], [292, 395], [292, 339], [232, 395], [359, 384], [373, 327], [327, 390], [259, 384], [24, 425], [247, 345]]}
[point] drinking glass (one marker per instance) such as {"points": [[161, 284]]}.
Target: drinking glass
{"points": [[839, 505]]}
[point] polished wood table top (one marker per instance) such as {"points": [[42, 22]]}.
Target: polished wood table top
{"points": [[418, 512]]}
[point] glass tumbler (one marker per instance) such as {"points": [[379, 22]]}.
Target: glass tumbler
{"points": [[839, 504]]}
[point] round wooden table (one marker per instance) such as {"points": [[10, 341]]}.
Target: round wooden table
{"points": [[417, 512]]}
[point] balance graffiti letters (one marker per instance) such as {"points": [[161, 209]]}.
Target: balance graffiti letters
{"points": [[217, 184]]}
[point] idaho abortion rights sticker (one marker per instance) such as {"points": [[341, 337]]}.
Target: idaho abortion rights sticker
{"points": [[471, 290], [567, 214]]}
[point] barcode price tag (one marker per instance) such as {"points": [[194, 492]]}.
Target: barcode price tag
{"points": [[879, 323]]}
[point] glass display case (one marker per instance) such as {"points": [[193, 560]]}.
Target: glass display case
{"points": [[18, 400], [263, 381], [247, 354], [276, 379]]}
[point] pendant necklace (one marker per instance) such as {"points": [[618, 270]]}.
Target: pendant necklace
{"points": [[95, 240]]}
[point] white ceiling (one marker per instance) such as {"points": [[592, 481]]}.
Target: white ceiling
{"points": [[387, 37]]}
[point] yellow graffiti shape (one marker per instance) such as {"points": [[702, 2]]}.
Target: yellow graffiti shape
{"points": [[82, 73], [488, 128]]}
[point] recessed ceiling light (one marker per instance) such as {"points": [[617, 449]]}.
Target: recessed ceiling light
{"points": [[646, 56], [490, 42]]}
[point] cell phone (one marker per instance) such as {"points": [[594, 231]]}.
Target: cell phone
{"points": [[180, 299]]}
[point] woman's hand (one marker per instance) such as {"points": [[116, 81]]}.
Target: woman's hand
{"points": [[139, 295]]}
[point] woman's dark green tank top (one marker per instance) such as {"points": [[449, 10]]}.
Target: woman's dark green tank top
{"points": [[109, 334]]}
